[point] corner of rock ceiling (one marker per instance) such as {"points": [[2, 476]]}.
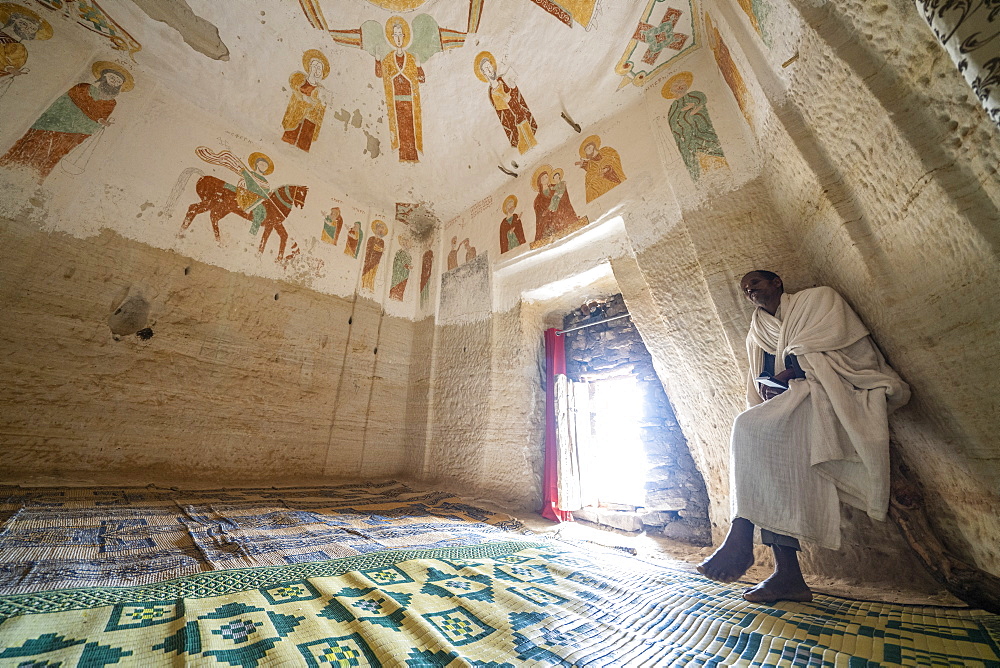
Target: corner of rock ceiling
{"points": [[346, 146]]}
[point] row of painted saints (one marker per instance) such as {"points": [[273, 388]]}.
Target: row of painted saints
{"points": [[402, 263], [555, 216]]}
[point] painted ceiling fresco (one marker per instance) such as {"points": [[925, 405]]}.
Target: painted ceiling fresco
{"points": [[354, 146], [436, 101]]}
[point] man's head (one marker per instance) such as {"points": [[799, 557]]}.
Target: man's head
{"points": [[763, 289], [24, 26], [109, 84]]}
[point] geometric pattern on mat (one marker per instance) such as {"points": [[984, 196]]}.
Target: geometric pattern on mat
{"points": [[497, 604], [79, 537]]}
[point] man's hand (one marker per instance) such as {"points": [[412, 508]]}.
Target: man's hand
{"points": [[768, 392]]}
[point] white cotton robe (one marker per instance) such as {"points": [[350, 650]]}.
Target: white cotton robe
{"points": [[826, 438]]}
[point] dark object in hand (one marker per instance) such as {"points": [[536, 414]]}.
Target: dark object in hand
{"points": [[770, 381]]}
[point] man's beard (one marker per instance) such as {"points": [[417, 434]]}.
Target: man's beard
{"points": [[106, 91], [22, 35]]}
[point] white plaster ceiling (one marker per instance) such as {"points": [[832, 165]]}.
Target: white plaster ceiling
{"points": [[557, 68]]}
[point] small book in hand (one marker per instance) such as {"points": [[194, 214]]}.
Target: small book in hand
{"points": [[770, 381]]}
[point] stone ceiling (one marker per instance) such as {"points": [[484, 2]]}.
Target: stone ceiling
{"points": [[562, 57]]}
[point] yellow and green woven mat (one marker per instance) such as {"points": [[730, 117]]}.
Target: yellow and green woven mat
{"points": [[496, 604]]}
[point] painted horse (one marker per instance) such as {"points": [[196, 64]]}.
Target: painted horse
{"points": [[219, 199]]}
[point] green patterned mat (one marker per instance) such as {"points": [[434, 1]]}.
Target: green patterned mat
{"points": [[497, 604]]}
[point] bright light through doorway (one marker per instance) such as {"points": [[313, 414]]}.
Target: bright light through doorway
{"points": [[618, 457]]}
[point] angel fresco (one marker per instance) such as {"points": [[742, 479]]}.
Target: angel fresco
{"points": [[400, 51], [84, 111], [252, 198], [18, 25], [512, 110], [603, 166], [692, 127], [511, 229], [304, 114], [373, 254]]}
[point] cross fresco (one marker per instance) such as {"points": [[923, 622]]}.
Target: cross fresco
{"points": [[661, 36], [666, 29]]}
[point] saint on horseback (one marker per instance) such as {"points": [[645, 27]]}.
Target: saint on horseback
{"points": [[251, 199]]}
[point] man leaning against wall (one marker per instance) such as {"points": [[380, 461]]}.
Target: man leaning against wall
{"points": [[815, 433]]}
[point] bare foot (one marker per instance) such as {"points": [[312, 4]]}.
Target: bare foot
{"points": [[734, 556], [780, 587]]}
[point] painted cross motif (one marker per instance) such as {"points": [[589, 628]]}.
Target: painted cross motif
{"points": [[661, 36]]}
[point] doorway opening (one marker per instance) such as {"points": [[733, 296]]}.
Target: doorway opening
{"points": [[636, 470], [616, 457]]}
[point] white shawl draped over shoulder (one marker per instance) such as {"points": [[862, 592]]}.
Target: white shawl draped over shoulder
{"points": [[827, 436]]}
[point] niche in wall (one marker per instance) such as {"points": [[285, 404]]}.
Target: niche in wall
{"points": [[629, 424]]}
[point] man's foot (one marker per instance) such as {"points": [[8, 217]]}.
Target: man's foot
{"points": [[734, 557], [780, 587]]}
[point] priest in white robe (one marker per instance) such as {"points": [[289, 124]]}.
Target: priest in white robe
{"points": [[816, 432]]}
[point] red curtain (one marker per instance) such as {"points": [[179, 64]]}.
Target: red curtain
{"points": [[555, 364]]}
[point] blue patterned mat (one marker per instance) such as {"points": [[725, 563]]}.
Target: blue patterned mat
{"points": [[79, 537], [493, 605]]}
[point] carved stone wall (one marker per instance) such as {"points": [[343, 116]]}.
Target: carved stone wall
{"points": [[676, 502]]}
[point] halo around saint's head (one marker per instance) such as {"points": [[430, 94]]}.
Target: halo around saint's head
{"points": [[102, 66], [477, 64], [509, 204], [558, 172], [257, 157], [315, 54], [44, 27], [592, 139], [379, 228], [667, 90], [392, 23], [544, 169]]}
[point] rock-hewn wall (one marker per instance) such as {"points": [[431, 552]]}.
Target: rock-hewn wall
{"points": [[244, 379], [878, 178]]}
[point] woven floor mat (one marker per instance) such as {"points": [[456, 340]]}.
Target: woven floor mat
{"points": [[495, 604], [80, 537]]}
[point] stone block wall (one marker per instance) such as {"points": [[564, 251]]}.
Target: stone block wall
{"points": [[676, 501]]}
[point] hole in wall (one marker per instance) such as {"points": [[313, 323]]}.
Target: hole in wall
{"points": [[187, 270], [275, 296], [130, 316], [145, 334]]}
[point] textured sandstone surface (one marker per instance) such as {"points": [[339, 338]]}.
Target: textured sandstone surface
{"points": [[242, 380]]}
